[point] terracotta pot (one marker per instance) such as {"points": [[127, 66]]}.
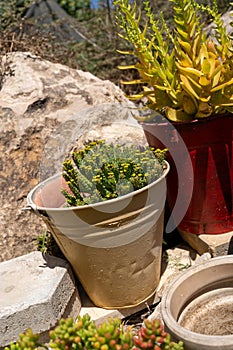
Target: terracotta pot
{"points": [[197, 306], [114, 246], [210, 148]]}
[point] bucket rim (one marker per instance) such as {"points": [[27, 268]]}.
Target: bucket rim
{"points": [[31, 204]]}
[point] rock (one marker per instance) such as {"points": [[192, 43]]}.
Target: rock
{"points": [[37, 87], [44, 108]]}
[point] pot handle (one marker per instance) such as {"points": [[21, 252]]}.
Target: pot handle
{"points": [[32, 207]]}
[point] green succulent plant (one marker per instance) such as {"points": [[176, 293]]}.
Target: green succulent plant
{"points": [[100, 171], [27, 341], [72, 335], [84, 334], [153, 336], [185, 73]]}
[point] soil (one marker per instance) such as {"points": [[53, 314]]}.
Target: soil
{"points": [[210, 313]]}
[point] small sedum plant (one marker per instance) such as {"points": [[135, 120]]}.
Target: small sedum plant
{"points": [[110, 335], [100, 172], [184, 73], [72, 335], [27, 341], [153, 336]]}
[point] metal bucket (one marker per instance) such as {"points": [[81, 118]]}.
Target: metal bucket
{"points": [[115, 246]]}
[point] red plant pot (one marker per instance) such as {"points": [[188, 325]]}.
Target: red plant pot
{"points": [[210, 147]]}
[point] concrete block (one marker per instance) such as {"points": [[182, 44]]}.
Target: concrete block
{"points": [[216, 245], [36, 291]]}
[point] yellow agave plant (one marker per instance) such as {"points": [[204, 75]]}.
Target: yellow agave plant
{"points": [[184, 73]]}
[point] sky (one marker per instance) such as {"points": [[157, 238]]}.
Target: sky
{"points": [[94, 3]]}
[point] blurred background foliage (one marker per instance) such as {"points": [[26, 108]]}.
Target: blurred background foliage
{"points": [[95, 50]]}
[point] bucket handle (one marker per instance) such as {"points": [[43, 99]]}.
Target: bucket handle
{"points": [[33, 208]]}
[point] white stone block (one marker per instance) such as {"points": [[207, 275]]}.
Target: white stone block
{"points": [[36, 291]]}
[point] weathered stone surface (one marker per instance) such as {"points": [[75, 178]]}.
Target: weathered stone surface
{"points": [[36, 291], [34, 86], [44, 108], [216, 245]]}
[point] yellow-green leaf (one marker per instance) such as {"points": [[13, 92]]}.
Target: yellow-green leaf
{"points": [[135, 97], [204, 110], [145, 118], [189, 70], [185, 60], [227, 104], [126, 52], [126, 67], [211, 47], [194, 82], [216, 76], [195, 46], [204, 81], [162, 87], [136, 81], [203, 53], [193, 28], [205, 99], [191, 19], [187, 86], [182, 33], [185, 45], [177, 115], [220, 87], [206, 66], [189, 105], [217, 70], [179, 22]]}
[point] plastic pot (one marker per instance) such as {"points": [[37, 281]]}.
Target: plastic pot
{"points": [[114, 246], [197, 307]]}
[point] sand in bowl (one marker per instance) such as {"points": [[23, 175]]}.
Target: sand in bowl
{"points": [[210, 314]]}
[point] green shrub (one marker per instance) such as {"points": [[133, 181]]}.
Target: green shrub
{"points": [[77, 8]]}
